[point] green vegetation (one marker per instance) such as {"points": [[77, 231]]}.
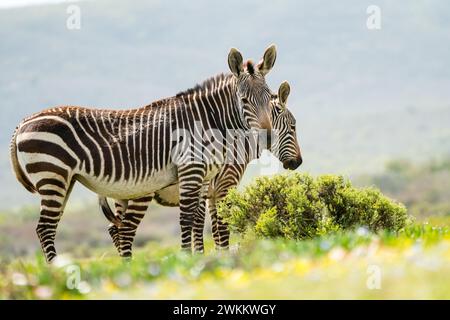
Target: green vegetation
{"points": [[338, 265], [298, 206], [333, 259], [424, 188]]}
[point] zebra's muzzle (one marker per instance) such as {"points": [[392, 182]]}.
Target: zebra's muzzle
{"points": [[292, 164]]}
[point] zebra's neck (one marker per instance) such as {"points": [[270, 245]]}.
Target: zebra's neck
{"points": [[216, 99]]}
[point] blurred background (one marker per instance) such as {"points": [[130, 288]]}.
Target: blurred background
{"points": [[373, 105]]}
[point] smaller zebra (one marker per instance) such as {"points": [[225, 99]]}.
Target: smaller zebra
{"points": [[285, 148]]}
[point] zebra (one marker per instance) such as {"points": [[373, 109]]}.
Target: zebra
{"points": [[129, 154], [285, 147]]}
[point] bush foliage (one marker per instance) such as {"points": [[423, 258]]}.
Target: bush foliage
{"points": [[299, 206]]}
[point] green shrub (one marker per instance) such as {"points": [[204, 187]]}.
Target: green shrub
{"points": [[299, 206]]}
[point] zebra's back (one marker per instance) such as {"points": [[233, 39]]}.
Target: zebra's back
{"points": [[113, 153]]}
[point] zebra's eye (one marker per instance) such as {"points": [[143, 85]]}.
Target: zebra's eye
{"points": [[244, 100]]}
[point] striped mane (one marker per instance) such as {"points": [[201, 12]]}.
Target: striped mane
{"points": [[207, 84]]}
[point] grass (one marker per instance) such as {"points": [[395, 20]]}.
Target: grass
{"points": [[411, 265]]}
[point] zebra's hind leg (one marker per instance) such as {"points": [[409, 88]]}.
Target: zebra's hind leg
{"points": [[127, 231], [114, 217], [54, 195], [113, 231], [120, 208]]}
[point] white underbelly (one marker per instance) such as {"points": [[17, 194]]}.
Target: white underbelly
{"points": [[169, 196], [127, 190]]}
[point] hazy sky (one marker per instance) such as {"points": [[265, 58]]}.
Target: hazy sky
{"points": [[4, 4], [361, 97]]}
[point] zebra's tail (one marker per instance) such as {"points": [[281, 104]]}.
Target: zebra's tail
{"points": [[20, 174], [108, 213]]}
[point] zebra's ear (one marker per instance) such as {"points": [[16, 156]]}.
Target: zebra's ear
{"points": [[235, 62], [283, 92], [268, 60]]}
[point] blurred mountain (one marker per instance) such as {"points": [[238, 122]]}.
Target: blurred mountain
{"points": [[360, 96]]}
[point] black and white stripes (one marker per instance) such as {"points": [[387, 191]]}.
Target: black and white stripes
{"points": [[285, 147], [130, 154]]}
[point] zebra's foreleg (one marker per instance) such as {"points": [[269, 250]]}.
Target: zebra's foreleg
{"points": [[191, 178], [199, 221], [222, 183], [127, 230], [214, 225], [222, 234], [220, 230]]}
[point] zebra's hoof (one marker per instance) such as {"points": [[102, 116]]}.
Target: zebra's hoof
{"points": [[127, 259], [51, 258], [126, 255]]}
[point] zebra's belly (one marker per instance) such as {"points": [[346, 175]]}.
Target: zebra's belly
{"points": [[127, 190], [169, 197]]}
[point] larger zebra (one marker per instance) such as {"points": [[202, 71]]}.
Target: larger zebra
{"points": [[130, 154], [285, 147]]}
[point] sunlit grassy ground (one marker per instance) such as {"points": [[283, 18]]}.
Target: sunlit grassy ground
{"points": [[414, 264]]}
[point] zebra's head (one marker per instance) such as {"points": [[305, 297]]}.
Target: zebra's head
{"points": [[285, 146], [252, 91]]}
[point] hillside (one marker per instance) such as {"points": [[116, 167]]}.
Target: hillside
{"points": [[360, 97]]}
